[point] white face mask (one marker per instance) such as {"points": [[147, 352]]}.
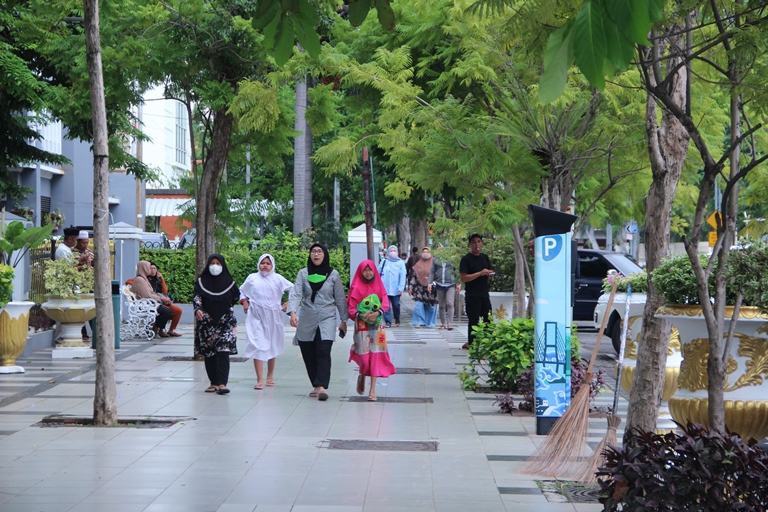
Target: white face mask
{"points": [[214, 269], [393, 254], [425, 255]]}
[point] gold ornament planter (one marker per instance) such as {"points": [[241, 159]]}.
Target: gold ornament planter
{"points": [[14, 325], [746, 380], [664, 421]]}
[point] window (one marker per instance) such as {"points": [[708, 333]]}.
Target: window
{"points": [[181, 134]]}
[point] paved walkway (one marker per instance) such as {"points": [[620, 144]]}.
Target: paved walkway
{"points": [[275, 450]]}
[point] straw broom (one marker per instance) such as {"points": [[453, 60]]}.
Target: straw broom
{"points": [[587, 476], [559, 454]]}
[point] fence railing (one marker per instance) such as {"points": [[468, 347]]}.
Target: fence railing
{"points": [[45, 251]]}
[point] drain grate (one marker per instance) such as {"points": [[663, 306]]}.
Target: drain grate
{"points": [[395, 399], [407, 371], [189, 358], [569, 492], [383, 446]]}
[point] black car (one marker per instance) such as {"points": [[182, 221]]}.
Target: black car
{"points": [[592, 268]]}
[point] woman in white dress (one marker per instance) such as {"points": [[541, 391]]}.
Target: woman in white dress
{"points": [[260, 296]]}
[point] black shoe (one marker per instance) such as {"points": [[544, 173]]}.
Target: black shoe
{"points": [[322, 396], [222, 391], [465, 346]]}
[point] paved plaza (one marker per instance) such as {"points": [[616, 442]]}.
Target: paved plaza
{"points": [[274, 450]]}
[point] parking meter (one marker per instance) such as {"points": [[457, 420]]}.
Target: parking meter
{"points": [[553, 314]]}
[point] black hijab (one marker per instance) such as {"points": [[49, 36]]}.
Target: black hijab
{"points": [[219, 293], [317, 275]]}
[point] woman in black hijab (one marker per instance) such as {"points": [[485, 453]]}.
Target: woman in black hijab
{"points": [[215, 295], [320, 295]]}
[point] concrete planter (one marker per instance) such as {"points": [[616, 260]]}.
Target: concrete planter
{"points": [[71, 314], [503, 305], [746, 386], [14, 324]]}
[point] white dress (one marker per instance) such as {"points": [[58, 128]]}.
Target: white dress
{"points": [[264, 322]]}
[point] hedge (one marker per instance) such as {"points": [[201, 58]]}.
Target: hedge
{"points": [[178, 266]]}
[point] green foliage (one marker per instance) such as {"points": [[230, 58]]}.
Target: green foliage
{"points": [[674, 278], [638, 281], [748, 273], [178, 266], [600, 38], [501, 252], [6, 284], [501, 350], [64, 280], [15, 237]]}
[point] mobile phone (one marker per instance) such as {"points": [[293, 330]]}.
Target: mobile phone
{"points": [[342, 333]]}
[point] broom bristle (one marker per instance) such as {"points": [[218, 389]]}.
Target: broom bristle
{"points": [[588, 475], [561, 453]]}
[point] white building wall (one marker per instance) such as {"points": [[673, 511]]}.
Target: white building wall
{"points": [[160, 118]]}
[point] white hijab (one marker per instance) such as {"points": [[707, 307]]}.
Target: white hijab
{"points": [[265, 289]]}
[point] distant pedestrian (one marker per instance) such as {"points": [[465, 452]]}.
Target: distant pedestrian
{"points": [[320, 294], [367, 303], [215, 295], [444, 281], [474, 271], [392, 271], [142, 288], [260, 296], [424, 311], [412, 260]]}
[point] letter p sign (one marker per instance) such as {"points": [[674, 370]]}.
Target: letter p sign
{"points": [[550, 247]]}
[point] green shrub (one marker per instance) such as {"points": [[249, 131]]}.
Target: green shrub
{"points": [[6, 284], [501, 352], [674, 278], [178, 266], [638, 281]]}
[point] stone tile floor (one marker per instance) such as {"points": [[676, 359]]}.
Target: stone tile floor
{"points": [[270, 450]]}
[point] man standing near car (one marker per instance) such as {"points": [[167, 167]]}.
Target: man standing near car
{"points": [[474, 270]]}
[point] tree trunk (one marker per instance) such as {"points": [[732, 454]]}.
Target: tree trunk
{"points": [[104, 402], [519, 310], [302, 165], [418, 228], [667, 147], [215, 164]]}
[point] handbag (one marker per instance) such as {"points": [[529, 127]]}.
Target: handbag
{"points": [[381, 337]]}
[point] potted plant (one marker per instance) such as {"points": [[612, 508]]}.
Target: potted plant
{"points": [[70, 300], [15, 242], [746, 383]]}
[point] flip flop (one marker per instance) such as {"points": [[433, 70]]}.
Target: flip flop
{"points": [[222, 391], [211, 389], [372, 399], [313, 393], [322, 396], [270, 383], [258, 387]]}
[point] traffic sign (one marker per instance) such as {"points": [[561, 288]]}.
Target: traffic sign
{"points": [[712, 238], [712, 219]]}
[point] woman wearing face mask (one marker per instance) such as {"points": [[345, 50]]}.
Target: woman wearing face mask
{"points": [[367, 303], [260, 296], [216, 332], [320, 294], [392, 270], [424, 312]]}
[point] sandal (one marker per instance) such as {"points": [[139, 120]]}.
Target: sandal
{"points": [[270, 383], [313, 393], [450, 327], [211, 389], [443, 327], [258, 386], [222, 390], [372, 399]]}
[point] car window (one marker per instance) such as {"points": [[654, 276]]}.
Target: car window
{"points": [[592, 266], [623, 264]]}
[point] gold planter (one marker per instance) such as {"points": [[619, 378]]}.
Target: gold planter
{"points": [[748, 419], [746, 381], [14, 325]]}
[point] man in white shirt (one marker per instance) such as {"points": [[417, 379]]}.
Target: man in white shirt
{"points": [[64, 250]]}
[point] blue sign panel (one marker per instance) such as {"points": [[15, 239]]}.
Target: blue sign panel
{"points": [[553, 314]]}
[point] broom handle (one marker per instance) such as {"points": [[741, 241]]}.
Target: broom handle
{"points": [[624, 327], [602, 327]]}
